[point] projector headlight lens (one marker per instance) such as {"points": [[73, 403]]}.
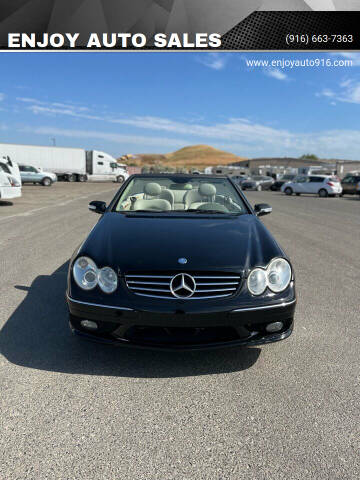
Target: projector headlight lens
{"points": [[276, 277], [279, 275], [85, 273], [257, 281], [108, 280]]}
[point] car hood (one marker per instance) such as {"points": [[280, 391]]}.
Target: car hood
{"points": [[156, 243]]}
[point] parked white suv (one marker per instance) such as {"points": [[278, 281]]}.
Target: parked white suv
{"points": [[322, 185]]}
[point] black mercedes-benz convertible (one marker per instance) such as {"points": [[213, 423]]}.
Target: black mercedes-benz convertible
{"points": [[180, 262]]}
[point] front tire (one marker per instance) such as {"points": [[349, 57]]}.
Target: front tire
{"points": [[46, 182], [288, 191], [120, 179], [323, 193]]}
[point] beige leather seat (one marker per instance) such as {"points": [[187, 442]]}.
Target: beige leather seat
{"points": [[153, 205], [151, 190], [154, 199], [167, 195], [179, 191], [206, 193]]}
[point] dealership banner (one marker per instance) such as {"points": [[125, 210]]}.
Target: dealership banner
{"points": [[179, 24]]}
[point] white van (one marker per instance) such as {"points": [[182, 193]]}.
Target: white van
{"points": [[10, 180]]}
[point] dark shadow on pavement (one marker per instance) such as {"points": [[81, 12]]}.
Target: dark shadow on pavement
{"points": [[4, 203], [37, 336]]}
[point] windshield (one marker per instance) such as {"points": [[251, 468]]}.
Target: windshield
{"points": [[175, 193]]}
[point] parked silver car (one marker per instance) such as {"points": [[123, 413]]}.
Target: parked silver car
{"points": [[258, 182], [30, 174]]}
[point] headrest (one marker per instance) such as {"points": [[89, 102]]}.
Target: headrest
{"points": [[153, 189], [207, 190]]}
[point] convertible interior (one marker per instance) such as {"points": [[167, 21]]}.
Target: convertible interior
{"points": [[179, 197]]}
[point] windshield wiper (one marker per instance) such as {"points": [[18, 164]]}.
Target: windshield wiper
{"points": [[190, 210], [196, 210]]}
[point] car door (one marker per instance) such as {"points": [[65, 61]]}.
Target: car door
{"points": [[37, 176], [268, 182], [26, 174], [315, 184], [103, 171], [356, 181], [299, 184], [348, 184]]}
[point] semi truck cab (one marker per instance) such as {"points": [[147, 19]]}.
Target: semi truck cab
{"points": [[102, 166]]}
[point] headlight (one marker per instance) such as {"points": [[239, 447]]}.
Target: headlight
{"points": [[276, 277], [257, 281], [85, 273], [108, 281], [279, 275]]}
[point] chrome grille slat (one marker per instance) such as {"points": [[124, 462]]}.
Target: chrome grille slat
{"points": [[222, 283], [173, 298], [149, 276], [217, 278], [208, 286], [215, 290], [151, 289]]}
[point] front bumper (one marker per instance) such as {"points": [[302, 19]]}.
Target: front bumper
{"points": [[179, 330]]}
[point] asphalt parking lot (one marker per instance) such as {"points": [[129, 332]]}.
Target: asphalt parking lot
{"points": [[76, 410]]}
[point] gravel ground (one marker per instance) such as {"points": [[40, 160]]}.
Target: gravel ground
{"points": [[76, 410]]}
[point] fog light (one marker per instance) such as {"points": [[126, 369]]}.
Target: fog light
{"points": [[274, 327], [89, 324]]}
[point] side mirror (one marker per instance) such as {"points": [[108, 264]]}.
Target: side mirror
{"points": [[97, 206], [262, 209]]}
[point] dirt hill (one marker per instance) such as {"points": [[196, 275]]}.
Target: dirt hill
{"points": [[199, 156]]}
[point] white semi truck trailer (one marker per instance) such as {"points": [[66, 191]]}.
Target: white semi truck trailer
{"points": [[69, 164]]}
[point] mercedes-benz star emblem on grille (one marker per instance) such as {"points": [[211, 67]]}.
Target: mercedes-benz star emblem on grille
{"points": [[182, 261], [182, 285]]}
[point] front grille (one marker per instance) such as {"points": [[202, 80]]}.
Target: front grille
{"points": [[207, 285]]}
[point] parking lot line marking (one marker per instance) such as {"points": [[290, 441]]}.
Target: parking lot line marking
{"points": [[30, 212]]}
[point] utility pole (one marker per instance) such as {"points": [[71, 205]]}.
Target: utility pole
{"points": [[54, 142]]}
